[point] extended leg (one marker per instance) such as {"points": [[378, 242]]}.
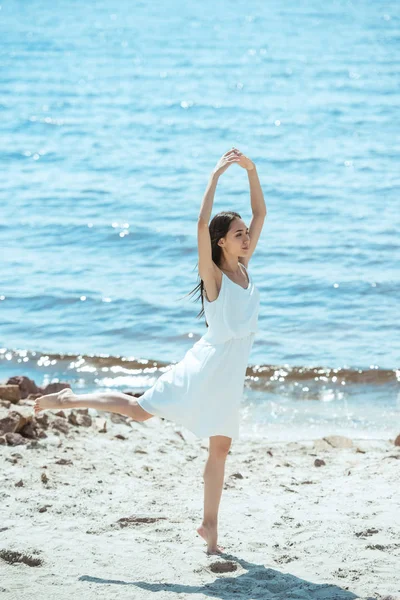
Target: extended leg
{"points": [[214, 473], [112, 401]]}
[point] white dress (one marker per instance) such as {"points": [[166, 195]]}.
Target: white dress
{"points": [[203, 391]]}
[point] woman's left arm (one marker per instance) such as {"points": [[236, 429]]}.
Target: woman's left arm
{"points": [[256, 195], [259, 211], [258, 206]]}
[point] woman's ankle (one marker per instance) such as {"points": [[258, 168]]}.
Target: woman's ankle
{"points": [[210, 523]]}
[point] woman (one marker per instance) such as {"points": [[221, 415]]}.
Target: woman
{"points": [[203, 390]]}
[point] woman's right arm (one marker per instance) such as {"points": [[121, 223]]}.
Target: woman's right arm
{"points": [[205, 262], [224, 162], [206, 265], [208, 199]]}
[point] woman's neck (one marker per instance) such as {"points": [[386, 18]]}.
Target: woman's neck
{"points": [[231, 267]]}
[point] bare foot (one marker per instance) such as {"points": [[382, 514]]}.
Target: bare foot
{"points": [[209, 533], [58, 400]]}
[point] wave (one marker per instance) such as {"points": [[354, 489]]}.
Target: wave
{"points": [[257, 376]]}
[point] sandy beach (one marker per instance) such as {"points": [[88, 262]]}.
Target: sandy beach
{"points": [[178, 181], [105, 507]]}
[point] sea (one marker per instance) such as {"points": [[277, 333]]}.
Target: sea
{"points": [[113, 116]]}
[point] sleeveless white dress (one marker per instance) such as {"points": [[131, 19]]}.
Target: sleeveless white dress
{"points": [[203, 391]]}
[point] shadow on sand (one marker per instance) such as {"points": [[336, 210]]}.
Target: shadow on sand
{"points": [[257, 582]]}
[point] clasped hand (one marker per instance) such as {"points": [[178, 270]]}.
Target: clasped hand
{"points": [[233, 156]]}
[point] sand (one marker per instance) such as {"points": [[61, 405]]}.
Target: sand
{"points": [[290, 529]]}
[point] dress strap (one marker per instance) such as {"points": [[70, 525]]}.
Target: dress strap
{"points": [[248, 275]]}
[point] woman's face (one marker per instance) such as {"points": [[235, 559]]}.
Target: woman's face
{"points": [[237, 240]]}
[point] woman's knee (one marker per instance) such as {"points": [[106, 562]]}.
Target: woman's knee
{"points": [[219, 445]]}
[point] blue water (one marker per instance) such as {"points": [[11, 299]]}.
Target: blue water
{"points": [[112, 118]]}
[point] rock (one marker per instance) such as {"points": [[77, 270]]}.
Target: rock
{"points": [[367, 532], [397, 441], [15, 439], [13, 421], [44, 477], [10, 392], [295, 446], [61, 413], [12, 557], [26, 386], [19, 483], [237, 475], [25, 416], [320, 445], [2, 441], [9, 421], [52, 388], [101, 424], [119, 419], [338, 441], [318, 462], [27, 402], [30, 430], [5, 403], [80, 417], [64, 461], [228, 566], [42, 420], [60, 424], [34, 444]]}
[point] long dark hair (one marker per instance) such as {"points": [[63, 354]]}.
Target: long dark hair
{"points": [[218, 228]]}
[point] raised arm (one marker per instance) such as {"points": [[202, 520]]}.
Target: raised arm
{"points": [[258, 206], [203, 234], [224, 162]]}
